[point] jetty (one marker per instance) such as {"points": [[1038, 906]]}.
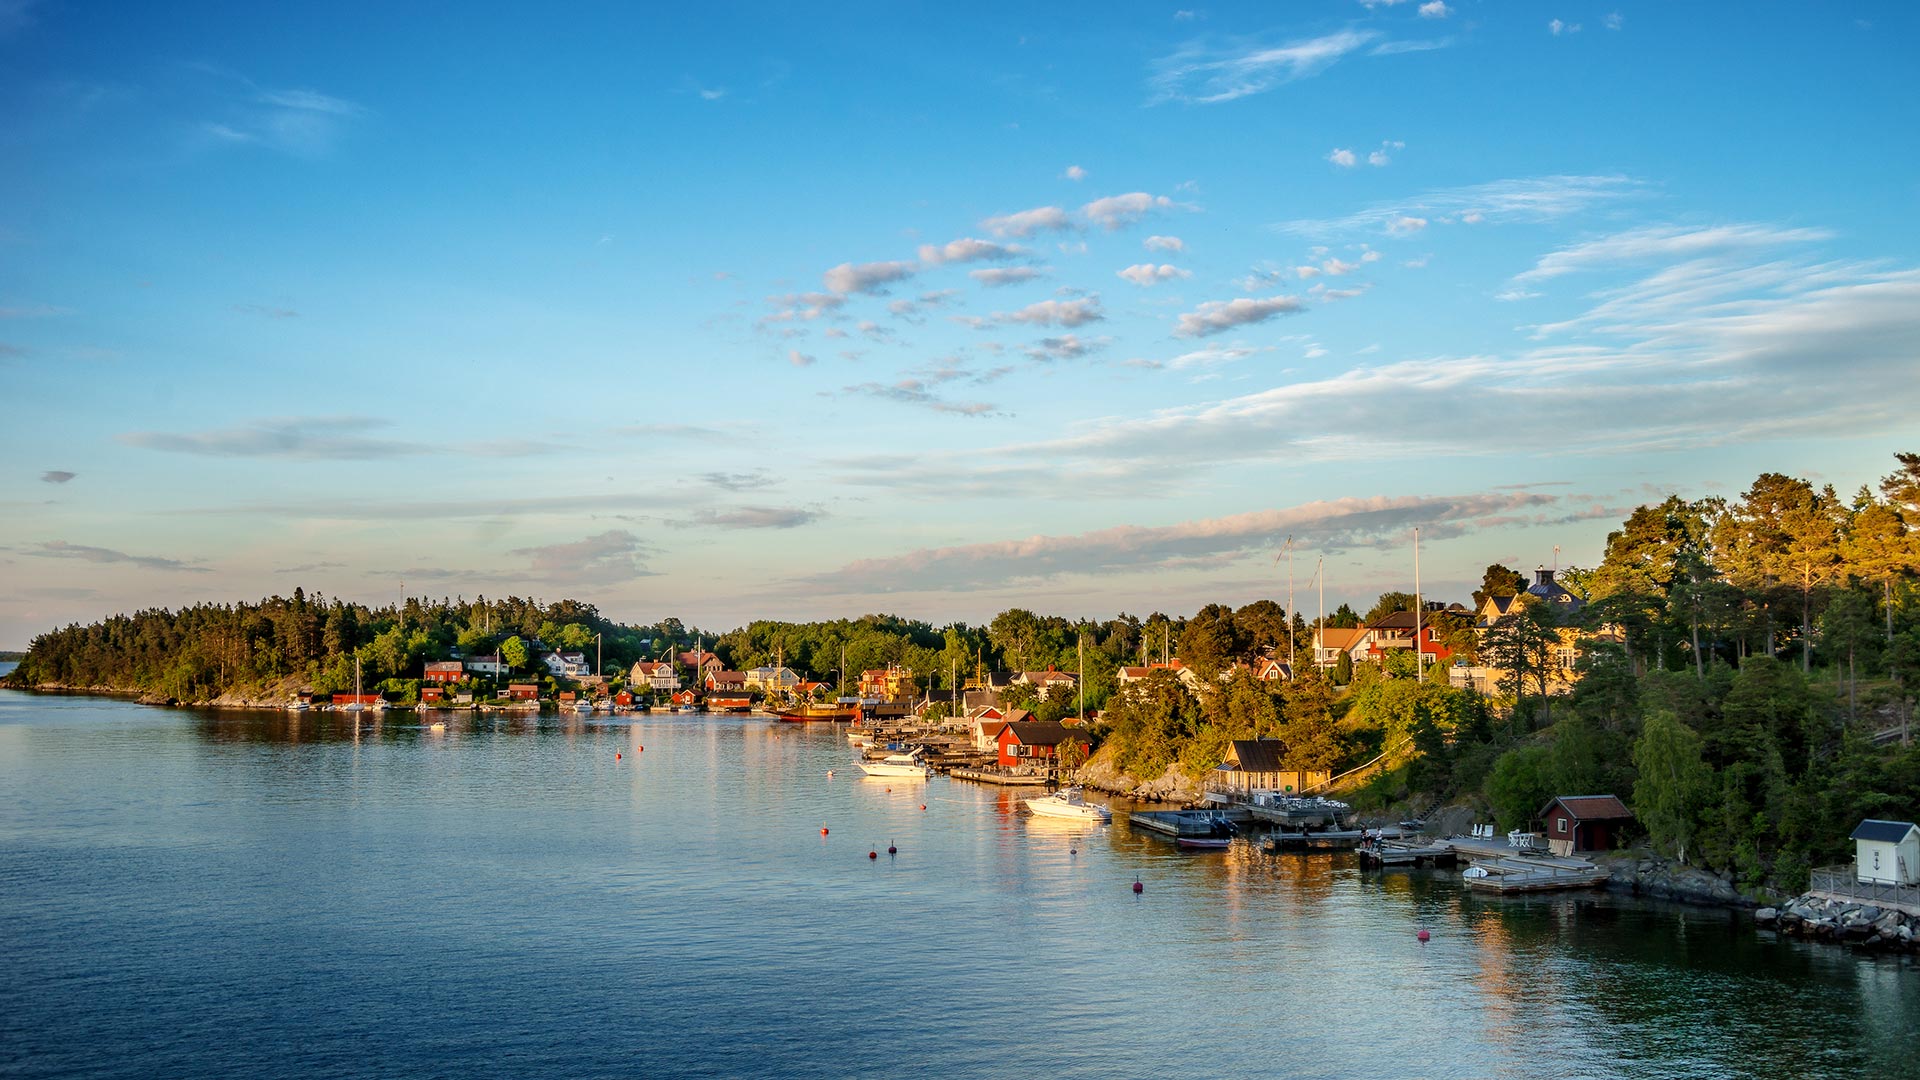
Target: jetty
{"points": [[995, 776], [1501, 867], [1187, 828], [1385, 854], [1325, 839]]}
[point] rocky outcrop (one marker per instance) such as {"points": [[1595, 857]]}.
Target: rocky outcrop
{"points": [[1173, 785], [1819, 918], [1643, 874]]}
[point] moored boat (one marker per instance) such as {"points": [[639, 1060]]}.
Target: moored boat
{"points": [[812, 711], [1070, 803], [909, 764]]}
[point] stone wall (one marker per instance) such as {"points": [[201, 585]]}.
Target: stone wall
{"points": [[1819, 918]]}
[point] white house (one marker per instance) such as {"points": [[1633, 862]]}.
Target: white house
{"points": [[769, 679], [570, 665], [490, 664], [658, 675], [1887, 852]]}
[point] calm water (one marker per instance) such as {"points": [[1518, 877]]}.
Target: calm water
{"points": [[192, 894]]}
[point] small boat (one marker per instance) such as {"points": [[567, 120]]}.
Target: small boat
{"points": [[1070, 803], [1196, 830], [800, 714], [583, 706], [908, 764], [297, 706]]}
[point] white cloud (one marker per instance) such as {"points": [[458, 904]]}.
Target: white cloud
{"points": [[1305, 272], [1216, 316], [1435, 9], [1074, 173], [1064, 347], [798, 358], [996, 276], [967, 250], [1028, 222], [1147, 274], [317, 438], [1369, 256], [1512, 295], [1665, 242], [1339, 268], [1119, 211], [1343, 158], [607, 558], [1613, 21], [1406, 225], [919, 392], [1381, 158], [1163, 243], [870, 277], [1198, 75], [60, 549], [1557, 28], [1535, 199], [1210, 356], [1067, 313]]}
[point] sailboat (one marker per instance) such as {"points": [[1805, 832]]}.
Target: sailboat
{"points": [[354, 705]]}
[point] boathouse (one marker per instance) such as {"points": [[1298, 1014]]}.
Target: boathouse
{"points": [[431, 694], [1035, 742], [1254, 765], [523, 691], [1584, 822], [1887, 852]]}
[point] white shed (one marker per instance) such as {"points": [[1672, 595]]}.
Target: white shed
{"points": [[1887, 852]]}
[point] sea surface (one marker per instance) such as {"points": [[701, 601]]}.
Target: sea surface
{"points": [[249, 894]]}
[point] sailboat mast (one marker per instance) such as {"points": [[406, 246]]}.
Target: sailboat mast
{"points": [[1289, 607]]}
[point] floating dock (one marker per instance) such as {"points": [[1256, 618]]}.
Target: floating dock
{"points": [[1498, 867], [1324, 839], [1188, 828], [1391, 854]]}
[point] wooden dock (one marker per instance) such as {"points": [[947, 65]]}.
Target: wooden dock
{"points": [[1395, 854], [992, 776], [1497, 867], [1188, 828], [1324, 839]]}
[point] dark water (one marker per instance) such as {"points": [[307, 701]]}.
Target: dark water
{"points": [[267, 895]]}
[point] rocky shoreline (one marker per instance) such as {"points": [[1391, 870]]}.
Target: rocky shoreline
{"points": [[263, 699], [1867, 926]]}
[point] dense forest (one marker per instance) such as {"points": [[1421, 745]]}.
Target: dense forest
{"points": [[1744, 675]]}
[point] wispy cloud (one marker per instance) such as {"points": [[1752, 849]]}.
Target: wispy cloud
{"points": [[1119, 211], [1200, 74], [1332, 525], [319, 438], [966, 250], [267, 312], [32, 311], [1026, 223], [1164, 243], [1665, 242], [60, 549], [57, 476], [298, 121], [740, 481], [996, 276], [1067, 313], [753, 517], [1531, 199], [919, 392]]}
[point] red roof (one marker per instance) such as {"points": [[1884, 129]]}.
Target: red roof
{"points": [[1593, 807]]}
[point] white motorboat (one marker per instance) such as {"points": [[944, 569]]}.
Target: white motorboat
{"points": [[583, 706], [1070, 803], [896, 765]]}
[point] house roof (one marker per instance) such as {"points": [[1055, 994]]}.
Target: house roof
{"points": [[1133, 673], [1047, 676], [1399, 620], [1335, 637], [1043, 733], [1889, 832], [1255, 755], [1591, 807]]}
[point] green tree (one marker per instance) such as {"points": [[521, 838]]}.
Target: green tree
{"points": [[1518, 787], [1498, 580], [513, 653], [1389, 603], [1674, 783]]}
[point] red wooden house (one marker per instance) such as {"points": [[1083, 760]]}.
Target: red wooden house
{"points": [[523, 691], [444, 671], [363, 700], [1584, 822], [1035, 742], [431, 694]]}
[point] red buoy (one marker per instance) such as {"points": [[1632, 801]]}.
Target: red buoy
{"points": [[923, 806], [1423, 936], [891, 850], [616, 755], [823, 830], [873, 854], [640, 749]]}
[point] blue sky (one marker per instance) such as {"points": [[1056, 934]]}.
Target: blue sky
{"points": [[770, 311]]}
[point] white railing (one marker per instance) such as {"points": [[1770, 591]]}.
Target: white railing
{"points": [[1842, 882]]}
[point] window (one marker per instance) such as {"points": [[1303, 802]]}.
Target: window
{"points": [[1560, 825]]}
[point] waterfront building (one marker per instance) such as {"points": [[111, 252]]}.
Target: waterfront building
{"points": [[1576, 823], [769, 680], [1036, 743], [655, 675], [1254, 765], [567, 665], [1887, 852], [444, 671]]}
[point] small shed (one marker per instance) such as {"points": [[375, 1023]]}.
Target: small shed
{"points": [[1887, 852], [523, 691], [1584, 822], [1255, 765]]}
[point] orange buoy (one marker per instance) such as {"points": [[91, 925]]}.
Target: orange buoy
{"points": [[616, 755], [823, 830], [923, 806]]}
